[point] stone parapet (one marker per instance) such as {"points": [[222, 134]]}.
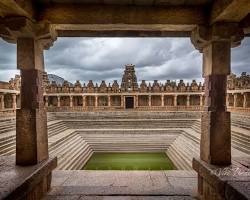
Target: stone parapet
{"points": [[223, 182], [31, 182]]}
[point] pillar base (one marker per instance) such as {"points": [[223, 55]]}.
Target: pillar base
{"points": [[31, 182], [220, 183], [215, 144], [31, 136]]}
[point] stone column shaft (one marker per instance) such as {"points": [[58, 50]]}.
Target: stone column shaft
{"points": [[149, 100], [58, 101], [96, 101], [188, 100], [71, 101], [46, 101], [84, 101], [235, 100], [109, 101], [31, 118], [162, 100], [175, 100], [215, 146], [136, 101], [244, 100], [2, 102], [14, 101], [201, 100], [122, 101]]}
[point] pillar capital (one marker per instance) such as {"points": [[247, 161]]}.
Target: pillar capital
{"points": [[12, 28], [202, 36]]}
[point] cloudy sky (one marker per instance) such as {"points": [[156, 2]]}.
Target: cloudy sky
{"points": [[103, 59]]}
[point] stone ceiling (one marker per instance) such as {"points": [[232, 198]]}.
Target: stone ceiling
{"points": [[135, 2]]}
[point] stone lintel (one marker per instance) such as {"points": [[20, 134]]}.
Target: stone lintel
{"points": [[215, 146], [222, 182], [31, 136], [19, 182]]}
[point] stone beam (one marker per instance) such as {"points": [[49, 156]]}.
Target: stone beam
{"points": [[17, 8], [229, 10], [109, 17], [245, 24]]}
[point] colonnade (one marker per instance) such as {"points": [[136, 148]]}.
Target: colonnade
{"points": [[234, 100]]}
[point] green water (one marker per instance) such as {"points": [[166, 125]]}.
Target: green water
{"points": [[129, 161]]}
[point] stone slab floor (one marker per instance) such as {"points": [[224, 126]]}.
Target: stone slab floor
{"points": [[122, 185]]}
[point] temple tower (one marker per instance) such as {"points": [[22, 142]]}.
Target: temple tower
{"points": [[129, 80]]}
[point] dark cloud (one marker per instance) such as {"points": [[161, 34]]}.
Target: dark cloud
{"points": [[103, 58]]}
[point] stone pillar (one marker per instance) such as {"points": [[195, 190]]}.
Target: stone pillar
{"points": [[136, 101], [162, 100], [235, 100], [46, 101], [149, 100], [109, 101], [14, 101], [71, 101], [83, 101], [188, 100], [31, 118], [227, 100], [122, 101], [175, 100], [2, 102], [201, 100], [215, 44], [96, 101], [58, 101], [244, 100]]}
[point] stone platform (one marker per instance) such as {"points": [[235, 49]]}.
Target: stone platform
{"points": [[79, 184]]}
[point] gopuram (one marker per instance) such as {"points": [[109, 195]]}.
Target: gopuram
{"points": [[168, 96]]}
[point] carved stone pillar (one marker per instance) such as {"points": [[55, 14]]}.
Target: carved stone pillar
{"points": [[201, 100], [215, 147], [2, 102], [31, 118], [235, 100], [122, 101], [58, 101], [149, 100], [175, 100], [96, 101], [162, 100], [227, 100], [14, 101], [188, 100], [215, 43], [109, 101], [136, 101], [46, 101], [83, 101], [244, 100], [71, 101]]}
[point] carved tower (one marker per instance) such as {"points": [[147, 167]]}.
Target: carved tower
{"points": [[129, 80]]}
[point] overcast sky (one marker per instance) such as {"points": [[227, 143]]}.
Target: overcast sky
{"points": [[104, 59]]}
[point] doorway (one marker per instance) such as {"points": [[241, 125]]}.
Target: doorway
{"points": [[129, 102]]}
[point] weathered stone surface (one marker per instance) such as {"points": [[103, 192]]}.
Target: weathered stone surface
{"points": [[30, 182], [32, 137], [123, 183], [218, 182], [215, 146]]}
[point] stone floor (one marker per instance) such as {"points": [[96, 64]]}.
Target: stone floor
{"points": [[136, 185]]}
